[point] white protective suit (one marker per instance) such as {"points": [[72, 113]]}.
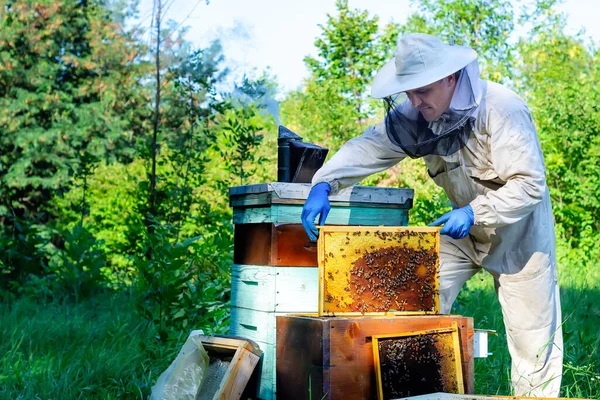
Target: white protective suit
{"points": [[501, 174]]}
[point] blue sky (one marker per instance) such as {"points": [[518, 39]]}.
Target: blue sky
{"points": [[278, 34]]}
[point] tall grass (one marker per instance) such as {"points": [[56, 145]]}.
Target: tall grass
{"points": [[98, 349], [580, 301]]}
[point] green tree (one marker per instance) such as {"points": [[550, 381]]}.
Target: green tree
{"points": [[559, 74], [348, 53], [321, 114], [334, 106], [241, 129], [484, 25], [69, 85]]}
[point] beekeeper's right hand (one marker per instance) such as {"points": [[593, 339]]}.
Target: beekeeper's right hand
{"points": [[317, 203]]}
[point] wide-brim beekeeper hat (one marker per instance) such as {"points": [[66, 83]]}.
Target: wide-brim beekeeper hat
{"points": [[420, 60]]}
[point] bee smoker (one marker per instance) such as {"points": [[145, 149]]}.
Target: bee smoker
{"points": [[297, 161]]}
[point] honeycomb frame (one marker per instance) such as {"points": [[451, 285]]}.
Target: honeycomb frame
{"points": [[417, 349], [378, 270]]}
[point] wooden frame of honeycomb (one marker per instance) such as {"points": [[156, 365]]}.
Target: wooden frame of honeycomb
{"points": [[378, 270], [419, 362]]}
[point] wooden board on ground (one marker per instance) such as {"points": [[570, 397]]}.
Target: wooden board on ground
{"points": [[451, 396], [236, 358]]}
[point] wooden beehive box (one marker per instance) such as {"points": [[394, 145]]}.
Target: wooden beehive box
{"points": [[378, 270], [275, 269], [335, 354], [238, 356]]}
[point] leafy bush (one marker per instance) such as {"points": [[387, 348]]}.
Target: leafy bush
{"points": [[111, 196], [182, 285], [77, 269], [22, 252]]}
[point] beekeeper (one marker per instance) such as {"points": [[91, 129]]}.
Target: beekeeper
{"points": [[479, 143]]}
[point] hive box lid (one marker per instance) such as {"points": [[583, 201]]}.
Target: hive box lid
{"points": [[378, 270], [296, 193]]}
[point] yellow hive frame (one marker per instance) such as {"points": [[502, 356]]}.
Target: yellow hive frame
{"points": [[323, 230], [456, 346]]}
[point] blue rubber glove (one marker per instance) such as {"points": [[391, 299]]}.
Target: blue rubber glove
{"points": [[316, 203], [457, 223]]}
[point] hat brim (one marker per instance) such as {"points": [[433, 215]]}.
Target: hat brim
{"points": [[387, 83]]}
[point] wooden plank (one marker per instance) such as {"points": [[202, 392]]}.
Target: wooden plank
{"points": [[302, 353], [255, 325], [253, 215], [228, 344], [346, 215], [253, 287], [251, 199], [237, 376], [424, 229], [265, 200], [290, 214], [252, 324], [346, 204], [354, 194], [466, 335], [296, 290]]}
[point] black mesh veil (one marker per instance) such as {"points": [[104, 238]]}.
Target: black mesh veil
{"points": [[406, 127]]}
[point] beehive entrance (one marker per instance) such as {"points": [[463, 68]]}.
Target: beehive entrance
{"points": [[378, 270]]}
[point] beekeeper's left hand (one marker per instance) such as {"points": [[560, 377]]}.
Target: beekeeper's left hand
{"points": [[457, 223]]}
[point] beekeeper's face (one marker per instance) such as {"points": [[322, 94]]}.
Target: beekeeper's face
{"points": [[434, 99]]}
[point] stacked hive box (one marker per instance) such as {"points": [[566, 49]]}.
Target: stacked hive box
{"points": [[275, 267], [333, 356], [375, 283]]}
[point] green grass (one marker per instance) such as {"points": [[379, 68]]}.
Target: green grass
{"points": [[95, 350], [100, 349], [580, 303]]}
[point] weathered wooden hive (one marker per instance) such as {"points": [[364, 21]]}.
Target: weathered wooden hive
{"points": [[275, 267]]}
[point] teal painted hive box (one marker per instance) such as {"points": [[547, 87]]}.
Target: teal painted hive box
{"points": [[275, 267]]}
